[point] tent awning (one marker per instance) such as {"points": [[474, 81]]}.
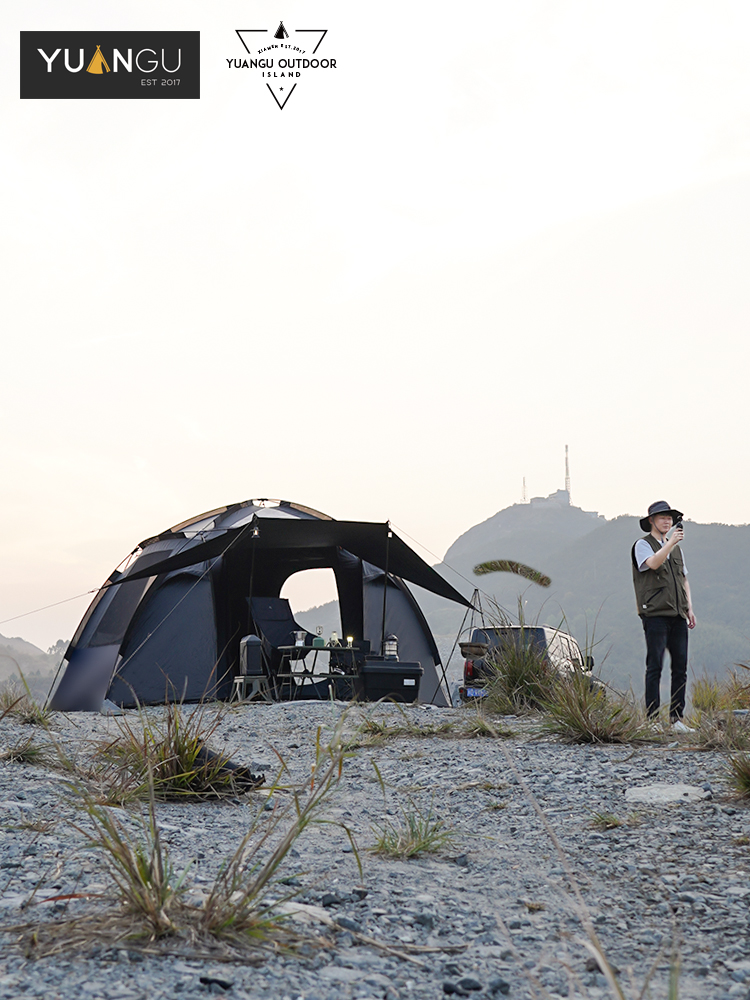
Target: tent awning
{"points": [[375, 543]]}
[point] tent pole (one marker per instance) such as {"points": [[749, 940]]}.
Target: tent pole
{"points": [[253, 536], [385, 583], [444, 668]]}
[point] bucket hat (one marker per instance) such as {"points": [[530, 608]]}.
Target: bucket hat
{"points": [[659, 507]]}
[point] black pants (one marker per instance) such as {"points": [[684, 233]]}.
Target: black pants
{"points": [[666, 633]]}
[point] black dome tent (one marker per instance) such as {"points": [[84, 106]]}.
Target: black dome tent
{"points": [[168, 622]]}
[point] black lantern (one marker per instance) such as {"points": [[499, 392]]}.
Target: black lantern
{"points": [[390, 647]]}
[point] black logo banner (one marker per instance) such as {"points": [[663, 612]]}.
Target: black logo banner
{"points": [[96, 65]]}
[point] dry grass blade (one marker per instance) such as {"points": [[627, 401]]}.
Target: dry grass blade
{"points": [[593, 945], [582, 712]]}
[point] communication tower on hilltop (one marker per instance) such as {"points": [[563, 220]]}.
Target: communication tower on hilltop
{"points": [[567, 474], [524, 490]]}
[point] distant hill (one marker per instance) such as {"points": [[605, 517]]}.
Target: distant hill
{"points": [[588, 559], [38, 668]]}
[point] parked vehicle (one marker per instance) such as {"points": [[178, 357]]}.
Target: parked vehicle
{"points": [[559, 649]]}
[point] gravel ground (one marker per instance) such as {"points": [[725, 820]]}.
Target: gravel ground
{"points": [[490, 915]]}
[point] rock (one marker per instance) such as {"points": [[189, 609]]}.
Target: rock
{"points": [[452, 989], [468, 983], [223, 984], [338, 974], [662, 794], [498, 985], [349, 925]]}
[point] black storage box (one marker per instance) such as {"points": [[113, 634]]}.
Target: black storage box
{"points": [[391, 679]]}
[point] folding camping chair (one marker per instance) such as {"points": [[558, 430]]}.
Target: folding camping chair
{"points": [[275, 624]]}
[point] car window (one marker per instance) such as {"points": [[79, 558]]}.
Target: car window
{"points": [[575, 652], [498, 638]]}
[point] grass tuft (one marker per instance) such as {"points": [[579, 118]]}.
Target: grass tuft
{"points": [[236, 905], [28, 751], [521, 679], [722, 731], [243, 906], [169, 754], [739, 774], [581, 712], [414, 832], [711, 695], [18, 702], [606, 821], [138, 865]]}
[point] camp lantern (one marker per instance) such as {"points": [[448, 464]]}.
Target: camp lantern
{"points": [[390, 647]]}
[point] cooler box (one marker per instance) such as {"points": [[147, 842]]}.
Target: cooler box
{"points": [[392, 679]]}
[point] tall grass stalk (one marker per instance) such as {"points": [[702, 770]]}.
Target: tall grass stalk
{"points": [[236, 904]]}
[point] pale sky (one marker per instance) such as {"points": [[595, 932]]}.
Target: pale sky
{"points": [[491, 231]]}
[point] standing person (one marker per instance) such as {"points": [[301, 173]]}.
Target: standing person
{"points": [[662, 595]]}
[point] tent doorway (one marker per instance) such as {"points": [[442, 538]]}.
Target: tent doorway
{"points": [[313, 597]]}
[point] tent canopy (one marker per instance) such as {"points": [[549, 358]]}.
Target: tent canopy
{"points": [[170, 622], [374, 543]]}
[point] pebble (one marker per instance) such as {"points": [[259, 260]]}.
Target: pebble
{"points": [[493, 909]]}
